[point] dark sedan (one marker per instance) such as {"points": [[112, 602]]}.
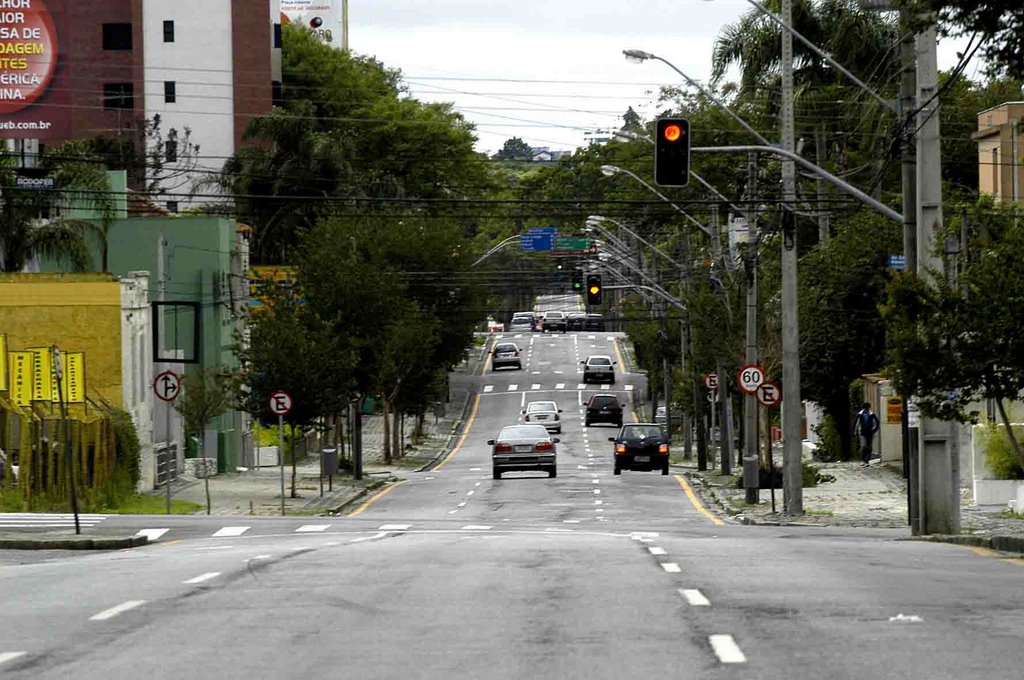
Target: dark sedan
{"points": [[641, 446]]}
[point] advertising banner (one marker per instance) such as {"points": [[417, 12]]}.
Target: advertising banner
{"points": [[29, 61], [74, 377], [322, 17], [42, 375], [22, 372]]}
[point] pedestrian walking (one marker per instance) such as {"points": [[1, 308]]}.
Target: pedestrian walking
{"points": [[865, 425]]}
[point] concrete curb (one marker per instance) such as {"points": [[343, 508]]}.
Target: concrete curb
{"points": [[51, 542], [1014, 544], [453, 437]]}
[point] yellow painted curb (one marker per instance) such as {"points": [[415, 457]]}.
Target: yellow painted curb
{"points": [[465, 433], [382, 492], [696, 501]]}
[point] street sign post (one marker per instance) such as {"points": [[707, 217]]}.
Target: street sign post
{"points": [[711, 381], [281, 404], [167, 385], [749, 378], [769, 395]]}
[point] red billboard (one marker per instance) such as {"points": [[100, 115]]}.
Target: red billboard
{"points": [[31, 104]]}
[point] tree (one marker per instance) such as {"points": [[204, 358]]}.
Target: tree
{"points": [[952, 344], [998, 24], [204, 396], [171, 160], [27, 228], [514, 149]]}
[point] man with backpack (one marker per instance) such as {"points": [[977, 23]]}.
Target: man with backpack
{"points": [[865, 425]]}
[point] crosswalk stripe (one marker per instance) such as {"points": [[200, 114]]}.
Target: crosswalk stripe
{"points": [[513, 388], [488, 388], [152, 534], [230, 531], [535, 386], [312, 528], [581, 386], [606, 386], [560, 386], [629, 388]]}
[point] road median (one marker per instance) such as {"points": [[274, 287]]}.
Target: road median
{"points": [[69, 542]]}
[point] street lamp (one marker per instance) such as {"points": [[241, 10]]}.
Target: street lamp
{"points": [[596, 220], [612, 170]]}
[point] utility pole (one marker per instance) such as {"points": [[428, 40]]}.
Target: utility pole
{"points": [[792, 451], [908, 92], [938, 467], [751, 469]]}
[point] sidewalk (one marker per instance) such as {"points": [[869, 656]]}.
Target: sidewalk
{"points": [[874, 497], [258, 491]]}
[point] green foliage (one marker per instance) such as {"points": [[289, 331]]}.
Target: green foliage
{"points": [[998, 24], [128, 456], [813, 476], [998, 450], [829, 447], [204, 396], [143, 504], [514, 149]]}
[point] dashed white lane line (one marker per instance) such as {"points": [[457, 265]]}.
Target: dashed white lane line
{"points": [[393, 527], [119, 609], [535, 386], [375, 537], [671, 567], [470, 492], [513, 387], [476, 470], [597, 492], [312, 528], [598, 502], [581, 386], [596, 481], [477, 527], [726, 649], [478, 483], [152, 534], [452, 512], [230, 531], [629, 388], [570, 521], [655, 550], [262, 557], [694, 597], [462, 504], [606, 386], [10, 656], [202, 577], [559, 386], [488, 388]]}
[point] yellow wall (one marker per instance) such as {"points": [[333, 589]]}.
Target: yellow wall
{"points": [[76, 312]]}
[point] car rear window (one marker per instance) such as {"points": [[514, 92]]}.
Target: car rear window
{"points": [[541, 406], [524, 432], [604, 401], [554, 315], [599, 361], [641, 432], [505, 348]]}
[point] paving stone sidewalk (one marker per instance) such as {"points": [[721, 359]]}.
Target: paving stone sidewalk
{"points": [[875, 497]]}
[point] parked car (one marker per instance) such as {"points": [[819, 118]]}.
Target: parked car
{"points": [[554, 321], [506, 354], [599, 368], [594, 322], [544, 413], [523, 447], [575, 321], [603, 408], [641, 446]]}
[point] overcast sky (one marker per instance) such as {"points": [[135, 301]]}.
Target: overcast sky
{"points": [[544, 70]]}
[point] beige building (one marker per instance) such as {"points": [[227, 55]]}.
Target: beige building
{"points": [[1001, 151]]}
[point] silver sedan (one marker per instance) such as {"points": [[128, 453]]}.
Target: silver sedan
{"points": [[523, 447]]}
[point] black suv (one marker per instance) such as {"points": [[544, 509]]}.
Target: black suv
{"points": [[575, 321], [641, 446], [603, 408], [593, 322]]}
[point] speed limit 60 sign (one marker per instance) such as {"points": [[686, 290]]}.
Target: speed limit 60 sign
{"points": [[750, 378]]}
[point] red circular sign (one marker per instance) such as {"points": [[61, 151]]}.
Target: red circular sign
{"points": [[28, 53]]}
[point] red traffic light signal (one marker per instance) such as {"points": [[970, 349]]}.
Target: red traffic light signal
{"points": [[672, 152]]}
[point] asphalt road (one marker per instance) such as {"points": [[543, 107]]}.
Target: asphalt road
{"points": [[453, 574]]}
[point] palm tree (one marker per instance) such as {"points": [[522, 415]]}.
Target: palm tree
{"points": [[30, 224]]}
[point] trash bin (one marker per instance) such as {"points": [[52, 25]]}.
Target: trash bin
{"points": [[330, 461]]}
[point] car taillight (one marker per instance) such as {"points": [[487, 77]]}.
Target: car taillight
{"points": [[663, 448], [620, 448], [545, 446], [503, 448], [526, 419]]}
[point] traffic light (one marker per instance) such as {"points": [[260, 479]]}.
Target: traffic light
{"points": [[672, 152], [594, 289], [577, 280]]}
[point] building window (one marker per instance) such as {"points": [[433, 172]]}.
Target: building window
{"points": [[171, 151], [168, 31], [170, 92], [117, 36], [118, 96], [172, 207], [277, 36]]}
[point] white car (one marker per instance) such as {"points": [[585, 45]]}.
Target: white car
{"points": [[544, 413], [598, 368]]}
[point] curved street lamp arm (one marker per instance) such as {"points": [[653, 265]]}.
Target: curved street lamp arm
{"points": [[495, 249]]}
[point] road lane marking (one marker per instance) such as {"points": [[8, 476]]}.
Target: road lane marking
{"points": [[726, 649], [596, 481], [560, 386], [470, 492], [10, 656], [488, 388], [629, 388], [393, 527], [152, 534], [376, 536], [694, 597], [606, 386], [696, 502], [598, 502], [202, 577], [477, 527], [462, 504], [383, 492], [671, 567], [654, 550], [513, 387], [230, 531], [535, 386], [618, 355], [312, 528], [216, 547], [119, 609], [522, 400], [262, 557], [581, 386], [465, 433]]}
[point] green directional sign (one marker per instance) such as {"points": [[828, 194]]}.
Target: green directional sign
{"points": [[572, 243]]}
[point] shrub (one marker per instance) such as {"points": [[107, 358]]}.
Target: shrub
{"points": [[829, 446], [999, 452]]}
